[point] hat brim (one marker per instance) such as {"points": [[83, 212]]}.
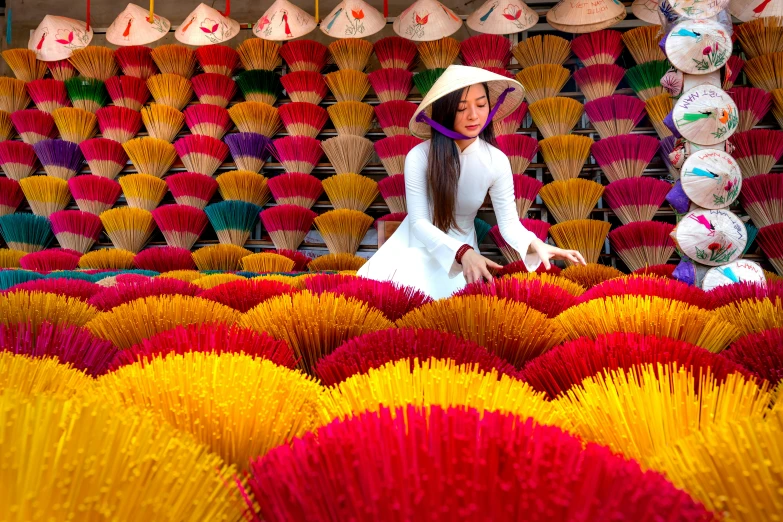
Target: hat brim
{"points": [[587, 28], [456, 78]]}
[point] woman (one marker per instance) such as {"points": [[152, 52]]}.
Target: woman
{"points": [[446, 182]]}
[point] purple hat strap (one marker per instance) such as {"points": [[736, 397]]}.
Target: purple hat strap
{"points": [[423, 118]]}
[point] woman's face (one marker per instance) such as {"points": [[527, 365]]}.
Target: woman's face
{"points": [[472, 112]]}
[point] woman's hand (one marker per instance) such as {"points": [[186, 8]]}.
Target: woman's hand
{"points": [[548, 252], [475, 266]]}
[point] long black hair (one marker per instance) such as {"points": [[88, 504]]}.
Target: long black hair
{"points": [[443, 168]]}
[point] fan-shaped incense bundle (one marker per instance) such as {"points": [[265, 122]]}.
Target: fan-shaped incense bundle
{"points": [[762, 71], [511, 123], [136, 61], [36, 308], [777, 105], [61, 70], [486, 50], [24, 64], [17, 159], [598, 81], [350, 191], [643, 43], [754, 315], [118, 123], [519, 149], [647, 284], [217, 279], [760, 354], [170, 89], [257, 53], [151, 156], [625, 156], [75, 125], [394, 52], [590, 275], [351, 53], [50, 260], [95, 62], [287, 225], [393, 299], [734, 66], [343, 229], [94, 194], [181, 225], [440, 53], [394, 116], [217, 59], [565, 155], [757, 150], [645, 79], [571, 199], [261, 118], [33, 125], [348, 153], [189, 188], [107, 258], [554, 116], [297, 257], [303, 119], [59, 158], [76, 230], [305, 55], [143, 191], [543, 81], [762, 199], [45, 194], [260, 86], [544, 49], [47, 94], [128, 228], [297, 153], [162, 122], [643, 243], [600, 47], [201, 154], [393, 191], [87, 94], [348, 85], [305, 86], [585, 235], [244, 185], [9, 258], [636, 199], [248, 149], [336, 262], [761, 36], [658, 107], [26, 232], [114, 296], [214, 89], [11, 196], [424, 80], [175, 59], [233, 220], [753, 104], [295, 188], [267, 262], [351, 117], [615, 115], [164, 259], [392, 152], [391, 84]]}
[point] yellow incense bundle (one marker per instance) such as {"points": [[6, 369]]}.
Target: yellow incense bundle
{"points": [[546, 49], [591, 274], [107, 258], [543, 81], [569, 286], [213, 280], [754, 315], [585, 235], [571, 199], [31, 376], [343, 229], [565, 155], [34, 308], [336, 262], [219, 257], [351, 191], [267, 262], [555, 116]]}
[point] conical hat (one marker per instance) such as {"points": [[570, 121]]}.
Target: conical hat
{"points": [[133, 27], [747, 10], [426, 20], [502, 17], [646, 10], [206, 26], [740, 271], [56, 38], [457, 77], [283, 21], [711, 178], [353, 19], [585, 17], [698, 46], [711, 237], [705, 115], [698, 9]]}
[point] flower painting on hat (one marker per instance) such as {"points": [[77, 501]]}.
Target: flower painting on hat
{"points": [[283, 21], [56, 38], [426, 20], [134, 27], [353, 19], [502, 17]]}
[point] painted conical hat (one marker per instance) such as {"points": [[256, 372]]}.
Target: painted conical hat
{"points": [[747, 10], [740, 271], [353, 19], [705, 115], [283, 21], [132, 27], [585, 17], [457, 77], [711, 178], [426, 20], [206, 26], [502, 17], [698, 46], [646, 10], [698, 9], [711, 237], [56, 38]]}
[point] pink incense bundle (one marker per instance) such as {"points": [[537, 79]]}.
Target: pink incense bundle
{"points": [[118, 123], [752, 103], [136, 61], [392, 152], [207, 120], [762, 199], [519, 267], [126, 292], [643, 243], [600, 80], [11, 196], [636, 199], [486, 50], [34, 125], [128, 91], [201, 154], [615, 115], [295, 188], [61, 69], [625, 156], [511, 123], [218, 59], [395, 52], [303, 118], [105, 157], [300, 260], [760, 353], [394, 116], [744, 291], [76, 288], [288, 224], [520, 150], [305, 55], [548, 299], [770, 239], [164, 259], [50, 260], [305, 86], [297, 153], [526, 189], [392, 190], [17, 159], [48, 94], [391, 298], [731, 71], [600, 47], [181, 225], [538, 227], [94, 194], [214, 89], [665, 271], [192, 189], [75, 229], [756, 150], [244, 295], [649, 285], [391, 84]]}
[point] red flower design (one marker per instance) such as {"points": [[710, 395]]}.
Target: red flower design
{"points": [[357, 14], [512, 12], [209, 26], [64, 36], [421, 20], [714, 246]]}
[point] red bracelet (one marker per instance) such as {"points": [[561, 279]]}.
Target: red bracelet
{"points": [[461, 252]]}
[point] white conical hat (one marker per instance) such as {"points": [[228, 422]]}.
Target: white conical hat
{"points": [[698, 46], [739, 271], [747, 10], [502, 17], [457, 77], [705, 115], [56, 38], [647, 10], [426, 20], [711, 237], [711, 178], [585, 17], [133, 27], [353, 19], [283, 21], [206, 26], [698, 9]]}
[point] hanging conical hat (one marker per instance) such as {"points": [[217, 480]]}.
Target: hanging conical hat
{"points": [[283, 21], [646, 10], [747, 10], [206, 26], [698, 46], [133, 27], [711, 237], [705, 115], [426, 20], [457, 77], [698, 9], [502, 17], [739, 271], [56, 38], [585, 17], [353, 19], [711, 178]]}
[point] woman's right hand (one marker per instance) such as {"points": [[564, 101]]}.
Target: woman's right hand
{"points": [[475, 267]]}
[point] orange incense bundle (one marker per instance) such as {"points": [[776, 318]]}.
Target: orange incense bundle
{"points": [[175, 59]]}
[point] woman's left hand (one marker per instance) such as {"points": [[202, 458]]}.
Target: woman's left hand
{"points": [[548, 252]]}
